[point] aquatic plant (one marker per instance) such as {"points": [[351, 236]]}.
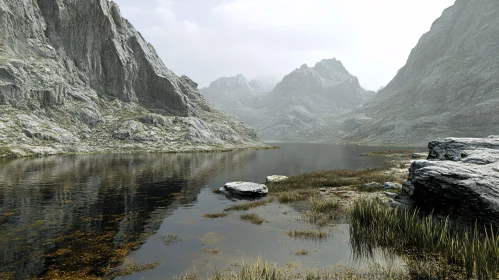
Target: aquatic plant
{"points": [[248, 206], [405, 231], [253, 218], [215, 215], [307, 234]]}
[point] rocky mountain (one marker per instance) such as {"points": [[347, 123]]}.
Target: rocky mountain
{"points": [[77, 77], [303, 107], [238, 96], [448, 87]]}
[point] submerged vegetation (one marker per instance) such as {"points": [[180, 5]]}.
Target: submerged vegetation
{"points": [[252, 218], [248, 206], [307, 234], [451, 248], [215, 215]]}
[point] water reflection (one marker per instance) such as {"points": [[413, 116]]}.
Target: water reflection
{"points": [[85, 213], [81, 216]]}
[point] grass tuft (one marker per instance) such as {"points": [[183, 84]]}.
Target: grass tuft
{"points": [[253, 218], [404, 231], [307, 234], [215, 215], [248, 206]]}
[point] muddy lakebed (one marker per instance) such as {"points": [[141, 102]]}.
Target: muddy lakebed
{"points": [[87, 216]]}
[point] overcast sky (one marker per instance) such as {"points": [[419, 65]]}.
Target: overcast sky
{"points": [[208, 39]]}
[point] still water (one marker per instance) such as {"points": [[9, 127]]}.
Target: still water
{"points": [[81, 215]]}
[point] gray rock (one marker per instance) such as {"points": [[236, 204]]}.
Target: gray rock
{"points": [[449, 184], [276, 178], [373, 185], [392, 186], [77, 72], [390, 194], [245, 189], [407, 188], [447, 87]]}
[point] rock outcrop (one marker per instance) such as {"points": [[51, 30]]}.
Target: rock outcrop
{"points": [[460, 177], [303, 107], [77, 77], [448, 87]]}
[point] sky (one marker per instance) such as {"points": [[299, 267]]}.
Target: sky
{"points": [[267, 39]]}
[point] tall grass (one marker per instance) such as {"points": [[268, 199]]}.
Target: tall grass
{"points": [[265, 271], [473, 249]]}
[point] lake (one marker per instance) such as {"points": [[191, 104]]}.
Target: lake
{"points": [[80, 215]]}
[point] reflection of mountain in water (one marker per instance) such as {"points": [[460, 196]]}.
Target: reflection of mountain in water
{"points": [[84, 214]]}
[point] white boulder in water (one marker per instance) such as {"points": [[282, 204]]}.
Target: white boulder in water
{"points": [[276, 178], [245, 189]]}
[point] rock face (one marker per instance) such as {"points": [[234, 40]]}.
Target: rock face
{"points": [[448, 87], [461, 177], [77, 77], [245, 189], [303, 107]]}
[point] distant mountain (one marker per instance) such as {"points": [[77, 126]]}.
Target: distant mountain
{"points": [[237, 96], [448, 87], [303, 107]]}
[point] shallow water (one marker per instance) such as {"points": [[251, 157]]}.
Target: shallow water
{"points": [[87, 213]]}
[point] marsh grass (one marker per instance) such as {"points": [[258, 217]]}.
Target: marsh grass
{"points": [[404, 231], [312, 181], [301, 253], [307, 234], [252, 218], [212, 251], [324, 210], [248, 206], [215, 215], [266, 271], [394, 153]]}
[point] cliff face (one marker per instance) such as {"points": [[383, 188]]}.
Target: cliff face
{"points": [[76, 77], [303, 107], [449, 86]]}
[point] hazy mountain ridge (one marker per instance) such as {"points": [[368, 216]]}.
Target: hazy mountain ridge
{"points": [[303, 107], [448, 87], [77, 77]]}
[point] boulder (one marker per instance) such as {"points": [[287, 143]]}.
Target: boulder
{"points": [[392, 186], [245, 189], [276, 178], [460, 178]]}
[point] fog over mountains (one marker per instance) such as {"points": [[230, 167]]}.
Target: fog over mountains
{"points": [[448, 87], [303, 107]]}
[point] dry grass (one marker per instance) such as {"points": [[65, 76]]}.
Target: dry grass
{"points": [[301, 253], [312, 181], [215, 215], [248, 206], [252, 218], [266, 271], [307, 234], [212, 251]]}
